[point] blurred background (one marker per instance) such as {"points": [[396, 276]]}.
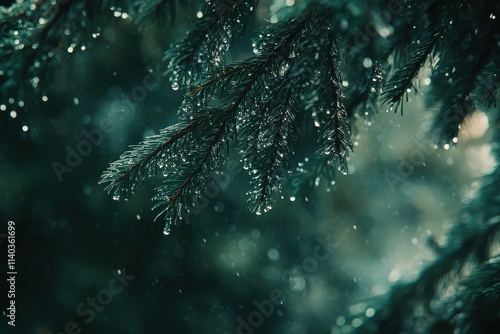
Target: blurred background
{"points": [[325, 255]]}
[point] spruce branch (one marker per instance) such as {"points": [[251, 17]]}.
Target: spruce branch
{"points": [[457, 94], [33, 37], [476, 305], [407, 299], [36, 35], [206, 45], [309, 174], [206, 136], [472, 246], [362, 100], [335, 135], [159, 10], [257, 104], [414, 44], [273, 49], [274, 148]]}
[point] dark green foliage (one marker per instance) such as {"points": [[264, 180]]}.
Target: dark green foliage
{"points": [[206, 45], [310, 173], [467, 264], [297, 73], [299, 94], [35, 35], [260, 106], [418, 32], [159, 10], [426, 297], [477, 300], [437, 31], [457, 95]]}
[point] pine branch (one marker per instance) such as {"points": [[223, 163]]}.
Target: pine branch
{"points": [[477, 309], [275, 141], [471, 244], [456, 79], [273, 50], [335, 136], [189, 178], [257, 106], [124, 174], [206, 136], [206, 45], [33, 37], [418, 43], [36, 35], [159, 10], [405, 299], [363, 68], [309, 174], [362, 101]]}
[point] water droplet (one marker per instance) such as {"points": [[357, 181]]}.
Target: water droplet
{"points": [[370, 312], [367, 62], [317, 181], [219, 207], [273, 254], [175, 86]]}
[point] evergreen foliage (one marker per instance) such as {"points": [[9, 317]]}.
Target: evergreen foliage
{"points": [[259, 103], [301, 91]]}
